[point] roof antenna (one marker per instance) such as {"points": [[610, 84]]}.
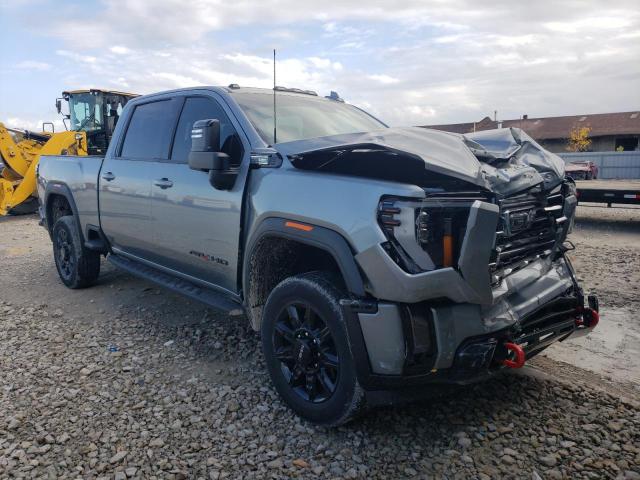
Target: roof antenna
{"points": [[275, 138]]}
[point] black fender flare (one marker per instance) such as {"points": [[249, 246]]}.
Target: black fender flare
{"points": [[324, 238], [62, 189]]}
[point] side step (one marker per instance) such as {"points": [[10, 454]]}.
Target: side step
{"points": [[207, 296]]}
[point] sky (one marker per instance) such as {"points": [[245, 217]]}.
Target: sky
{"points": [[407, 62]]}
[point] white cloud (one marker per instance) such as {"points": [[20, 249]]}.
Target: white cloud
{"points": [[119, 50], [589, 24], [33, 125], [422, 61], [76, 56], [33, 65], [383, 79], [175, 80]]}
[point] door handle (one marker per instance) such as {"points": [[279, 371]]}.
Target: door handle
{"points": [[108, 176], [163, 183]]}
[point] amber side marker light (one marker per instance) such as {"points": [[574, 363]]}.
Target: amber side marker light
{"points": [[299, 226], [447, 244]]}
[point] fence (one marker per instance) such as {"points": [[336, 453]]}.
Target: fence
{"points": [[622, 165]]}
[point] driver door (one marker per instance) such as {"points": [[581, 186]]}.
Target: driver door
{"points": [[196, 228]]}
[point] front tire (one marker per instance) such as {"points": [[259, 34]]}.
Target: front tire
{"points": [[306, 349], [77, 266]]}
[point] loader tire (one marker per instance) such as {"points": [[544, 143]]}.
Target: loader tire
{"points": [[77, 266], [25, 208]]}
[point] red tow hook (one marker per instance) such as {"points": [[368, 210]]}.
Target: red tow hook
{"points": [[519, 356], [591, 317]]}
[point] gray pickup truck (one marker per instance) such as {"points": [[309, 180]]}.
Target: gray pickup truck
{"points": [[373, 261]]}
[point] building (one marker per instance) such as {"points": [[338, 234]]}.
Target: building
{"points": [[608, 131]]}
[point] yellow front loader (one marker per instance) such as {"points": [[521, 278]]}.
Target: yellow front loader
{"points": [[93, 115], [20, 152]]}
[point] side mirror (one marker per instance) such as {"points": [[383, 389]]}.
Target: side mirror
{"points": [[59, 105], [206, 156]]}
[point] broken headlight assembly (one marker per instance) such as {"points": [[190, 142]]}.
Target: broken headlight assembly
{"points": [[427, 234]]}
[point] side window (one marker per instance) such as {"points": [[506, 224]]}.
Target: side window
{"points": [[149, 132], [201, 108]]}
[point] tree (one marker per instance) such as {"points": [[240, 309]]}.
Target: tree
{"points": [[579, 140]]}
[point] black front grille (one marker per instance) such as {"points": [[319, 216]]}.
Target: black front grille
{"points": [[527, 230]]}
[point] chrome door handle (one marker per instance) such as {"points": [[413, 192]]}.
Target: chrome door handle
{"points": [[163, 183], [108, 176]]}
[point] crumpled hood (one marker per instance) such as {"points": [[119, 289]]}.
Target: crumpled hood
{"points": [[503, 160], [513, 160]]}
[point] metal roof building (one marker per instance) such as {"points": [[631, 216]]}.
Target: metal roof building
{"points": [[608, 131]]}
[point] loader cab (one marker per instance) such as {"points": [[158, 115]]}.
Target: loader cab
{"points": [[95, 112]]}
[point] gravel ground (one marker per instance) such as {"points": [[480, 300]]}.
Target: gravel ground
{"points": [[607, 261], [126, 380]]}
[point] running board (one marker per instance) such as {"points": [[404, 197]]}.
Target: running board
{"points": [[205, 295]]}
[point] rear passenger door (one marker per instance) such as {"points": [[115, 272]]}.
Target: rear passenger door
{"points": [[196, 227], [125, 177]]}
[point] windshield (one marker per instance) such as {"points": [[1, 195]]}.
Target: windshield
{"points": [[303, 116], [89, 111], [86, 112]]}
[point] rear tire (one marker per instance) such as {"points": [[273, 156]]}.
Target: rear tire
{"points": [[77, 266], [306, 349]]}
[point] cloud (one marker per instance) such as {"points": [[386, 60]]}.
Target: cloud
{"points": [[424, 61], [589, 24], [383, 79], [76, 56], [33, 125], [119, 50], [33, 65]]}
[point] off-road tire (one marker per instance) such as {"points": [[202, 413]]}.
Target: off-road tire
{"points": [[317, 290], [77, 266]]}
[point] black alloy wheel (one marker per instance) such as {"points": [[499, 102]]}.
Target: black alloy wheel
{"points": [[77, 266], [307, 353], [65, 255], [306, 349]]}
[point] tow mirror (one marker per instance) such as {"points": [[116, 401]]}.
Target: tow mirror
{"points": [[206, 156]]}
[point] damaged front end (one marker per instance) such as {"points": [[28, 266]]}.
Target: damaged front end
{"points": [[473, 277]]}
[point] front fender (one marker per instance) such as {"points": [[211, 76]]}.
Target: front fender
{"points": [[316, 236]]}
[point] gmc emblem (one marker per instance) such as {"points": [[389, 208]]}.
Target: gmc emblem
{"points": [[518, 221]]}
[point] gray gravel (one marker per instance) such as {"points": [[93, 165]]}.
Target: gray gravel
{"points": [[125, 395], [124, 380]]}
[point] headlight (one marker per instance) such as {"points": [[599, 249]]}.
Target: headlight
{"points": [[440, 231], [425, 234]]}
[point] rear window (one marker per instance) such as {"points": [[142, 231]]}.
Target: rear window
{"points": [[150, 130]]}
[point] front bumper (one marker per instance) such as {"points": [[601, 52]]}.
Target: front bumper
{"points": [[397, 345]]}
